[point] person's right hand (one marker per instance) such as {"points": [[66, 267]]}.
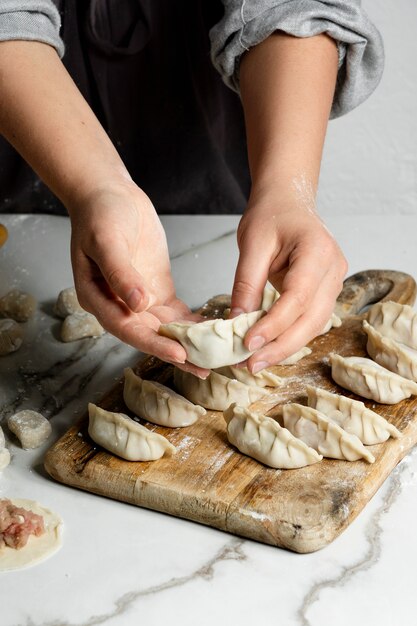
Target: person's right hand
{"points": [[122, 271]]}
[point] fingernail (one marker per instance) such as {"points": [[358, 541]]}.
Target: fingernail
{"points": [[133, 299], [260, 365], [236, 311], [256, 343]]}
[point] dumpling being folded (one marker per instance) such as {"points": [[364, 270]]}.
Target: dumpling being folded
{"points": [[263, 439], [320, 433], [214, 343], [368, 379], [396, 321], [158, 404], [121, 435], [393, 355], [352, 416], [216, 392], [264, 378]]}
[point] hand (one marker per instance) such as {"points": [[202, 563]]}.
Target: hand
{"points": [[122, 271], [293, 249]]}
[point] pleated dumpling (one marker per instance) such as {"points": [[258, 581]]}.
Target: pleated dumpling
{"points": [[214, 343], [124, 437], [368, 379], [269, 297], [216, 392], [323, 435], [264, 378], [393, 355], [158, 404], [352, 416], [396, 321], [263, 439]]}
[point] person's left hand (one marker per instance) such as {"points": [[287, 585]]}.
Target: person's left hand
{"points": [[291, 247]]}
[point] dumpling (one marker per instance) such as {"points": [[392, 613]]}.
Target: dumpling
{"points": [[216, 392], [391, 354], [263, 439], [158, 404], [334, 322], [264, 378], [352, 416], [213, 343], [269, 297], [320, 433], [297, 356], [120, 435], [396, 321], [368, 379]]}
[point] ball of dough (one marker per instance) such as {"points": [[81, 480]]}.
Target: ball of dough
{"points": [[18, 305], [67, 303], [11, 336], [4, 458], [80, 325], [30, 427]]}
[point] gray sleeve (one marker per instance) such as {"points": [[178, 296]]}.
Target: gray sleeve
{"points": [[31, 20], [248, 22]]}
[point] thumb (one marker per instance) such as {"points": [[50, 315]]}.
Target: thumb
{"points": [[250, 279], [122, 278]]}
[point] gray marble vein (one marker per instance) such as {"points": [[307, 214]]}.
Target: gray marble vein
{"points": [[231, 551], [373, 533], [204, 244]]}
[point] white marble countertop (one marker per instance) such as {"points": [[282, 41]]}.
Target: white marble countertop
{"points": [[123, 565]]}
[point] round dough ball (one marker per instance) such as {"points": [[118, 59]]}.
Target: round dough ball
{"points": [[18, 305], [11, 336], [67, 303]]}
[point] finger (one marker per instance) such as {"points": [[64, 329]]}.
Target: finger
{"points": [[250, 277], [299, 289], [112, 258], [194, 369], [306, 327]]}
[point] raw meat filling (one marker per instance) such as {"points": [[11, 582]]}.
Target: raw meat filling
{"points": [[17, 525]]}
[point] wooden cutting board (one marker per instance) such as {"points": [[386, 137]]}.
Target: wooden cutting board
{"points": [[210, 482]]}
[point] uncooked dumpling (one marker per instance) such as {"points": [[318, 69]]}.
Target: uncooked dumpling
{"points": [[17, 305], [79, 325], [216, 392], [263, 378], [368, 379], [11, 336], [121, 435], [352, 416], [263, 439], [334, 322], [67, 303], [396, 321], [214, 343], [270, 296], [297, 356], [391, 354], [158, 404], [325, 436]]}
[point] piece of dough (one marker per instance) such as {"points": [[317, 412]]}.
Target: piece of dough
{"points": [[67, 303], [323, 435], [158, 404], [30, 427], [216, 392], [391, 354], [79, 325], [396, 321], [297, 356], [214, 343], [17, 305], [4, 458], [263, 439], [334, 322], [37, 549], [11, 336], [269, 297], [352, 416], [264, 378], [368, 379], [121, 435]]}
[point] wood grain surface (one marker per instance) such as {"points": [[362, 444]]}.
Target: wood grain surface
{"points": [[210, 482]]}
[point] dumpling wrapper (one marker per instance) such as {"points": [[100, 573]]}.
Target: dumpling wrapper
{"points": [[263, 439], [368, 379], [216, 392], [352, 416], [37, 549], [323, 435], [396, 321], [124, 437], [391, 354], [264, 378], [157, 403], [213, 343], [297, 356]]}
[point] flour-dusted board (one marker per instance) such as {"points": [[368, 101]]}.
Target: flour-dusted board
{"points": [[210, 482]]}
